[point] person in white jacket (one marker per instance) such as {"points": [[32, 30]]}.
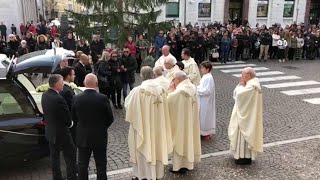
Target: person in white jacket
{"points": [[300, 44], [274, 49], [282, 44]]}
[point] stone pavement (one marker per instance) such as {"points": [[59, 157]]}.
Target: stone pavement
{"points": [[294, 161], [285, 117]]}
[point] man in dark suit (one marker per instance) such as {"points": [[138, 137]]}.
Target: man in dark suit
{"points": [[93, 113], [62, 64], [81, 69], [68, 76], [58, 121]]}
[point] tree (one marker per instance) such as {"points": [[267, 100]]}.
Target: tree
{"points": [[115, 20]]}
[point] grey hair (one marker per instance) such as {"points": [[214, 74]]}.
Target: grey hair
{"points": [[181, 75], [146, 73], [250, 71], [157, 71], [54, 79], [169, 60]]}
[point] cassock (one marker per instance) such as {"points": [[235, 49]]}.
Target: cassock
{"points": [[149, 138], [185, 124], [207, 105], [163, 82], [192, 70], [245, 129], [171, 72], [160, 61]]}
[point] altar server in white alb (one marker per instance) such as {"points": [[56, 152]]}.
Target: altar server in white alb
{"points": [[207, 102], [190, 67], [246, 124]]}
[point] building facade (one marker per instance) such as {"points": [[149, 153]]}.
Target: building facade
{"points": [[56, 8], [266, 12], [20, 11]]}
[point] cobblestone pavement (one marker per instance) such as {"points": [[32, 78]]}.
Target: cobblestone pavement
{"points": [[294, 161], [285, 117]]}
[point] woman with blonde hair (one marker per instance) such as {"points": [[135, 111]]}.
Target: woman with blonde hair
{"points": [[103, 74], [105, 56], [13, 45]]}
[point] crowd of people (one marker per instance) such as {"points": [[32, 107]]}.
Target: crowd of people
{"points": [[232, 42]]}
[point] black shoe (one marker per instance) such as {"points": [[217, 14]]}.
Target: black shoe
{"points": [[181, 171], [243, 161], [119, 106]]}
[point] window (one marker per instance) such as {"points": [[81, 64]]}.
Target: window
{"points": [[70, 8], [204, 10], [12, 100], [288, 8], [172, 9], [262, 8]]}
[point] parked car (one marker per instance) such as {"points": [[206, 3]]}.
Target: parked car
{"points": [[21, 119]]}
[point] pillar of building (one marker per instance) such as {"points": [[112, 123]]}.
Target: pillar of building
{"points": [[226, 11], [307, 13]]}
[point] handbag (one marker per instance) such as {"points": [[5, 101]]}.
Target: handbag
{"points": [[214, 53]]}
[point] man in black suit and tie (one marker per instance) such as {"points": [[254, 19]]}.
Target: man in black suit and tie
{"points": [[81, 69], [58, 121], [93, 113], [68, 75]]}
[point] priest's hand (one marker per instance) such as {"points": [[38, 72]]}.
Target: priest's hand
{"points": [[242, 82], [172, 86]]}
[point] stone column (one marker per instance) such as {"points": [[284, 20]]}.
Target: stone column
{"points": [[226, 11], [307, 14], [245, 10]]}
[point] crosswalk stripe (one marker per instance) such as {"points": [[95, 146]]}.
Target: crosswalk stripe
{"points": [[235, 62], [240, 70], [313, 100], [302, 91], [268, 73], [233, 66], [279, 78], [291, 84]]}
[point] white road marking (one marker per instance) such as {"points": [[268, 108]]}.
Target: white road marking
{"points": [[235, 62], [233, 66], [291, 84], [240, 70], [302, 91], [221, 153], [279, 78], [313, 100], [268, 73]]}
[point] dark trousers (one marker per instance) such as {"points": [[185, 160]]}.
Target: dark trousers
{"points": [[116, 95], [106, 91], [274, 52], [139, 62], [100, 158], [68, 148], [224, 56], [125, 88]]}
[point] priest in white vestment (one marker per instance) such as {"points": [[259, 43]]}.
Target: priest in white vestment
{"points": [[207, 104], [165, 53], [190, 67], [246, 124], [160, 79], [185, 124], [171, 68], [149, 137]]}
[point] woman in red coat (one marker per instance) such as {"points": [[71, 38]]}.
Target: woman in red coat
{"points": [[132, 47]]}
